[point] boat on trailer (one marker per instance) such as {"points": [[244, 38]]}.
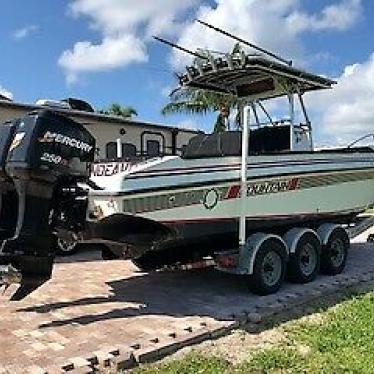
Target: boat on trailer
{"points": [[264, 184], [260, 201]]}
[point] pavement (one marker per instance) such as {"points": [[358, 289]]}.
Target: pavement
{"points": [[96, 316]]}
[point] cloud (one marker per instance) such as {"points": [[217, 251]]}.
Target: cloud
{"points": [[125, 27], [346, 112], [118, 16], [6, 93], [111, 53], [274, 24], [24, 32], [340, 16]]}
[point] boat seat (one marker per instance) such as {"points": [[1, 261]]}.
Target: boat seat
{"points": [[262, 140]]}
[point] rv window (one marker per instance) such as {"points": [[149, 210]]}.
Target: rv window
{"points": [[111, 150], [128, 150], [153, 148]]}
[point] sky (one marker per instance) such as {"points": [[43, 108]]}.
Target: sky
{"points": [[102, 51]]}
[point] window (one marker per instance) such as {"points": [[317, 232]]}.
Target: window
{"points": [[128, 150], [111, 150], [153, 148]]}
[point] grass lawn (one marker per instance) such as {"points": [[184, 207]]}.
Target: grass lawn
{"points": [[340, 341]]}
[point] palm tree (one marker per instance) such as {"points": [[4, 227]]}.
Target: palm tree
{"points": [[116, 109], [192, 101]]}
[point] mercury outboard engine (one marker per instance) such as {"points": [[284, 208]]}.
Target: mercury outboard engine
{"points": [[44, 155], [8, 195]]}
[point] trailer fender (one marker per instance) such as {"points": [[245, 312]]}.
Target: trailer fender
{"points": [[325, 230], [293, 236], [252, 246]]}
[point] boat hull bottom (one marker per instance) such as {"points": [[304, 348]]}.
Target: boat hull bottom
{"points": [[174, 242]]}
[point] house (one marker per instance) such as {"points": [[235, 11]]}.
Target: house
{"points": [[114, 135]]}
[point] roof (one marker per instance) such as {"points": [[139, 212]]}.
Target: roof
{"points": [[3, 97], [250, 76], [87, 116]]}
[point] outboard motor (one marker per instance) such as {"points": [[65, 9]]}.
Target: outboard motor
{"points": [[47, 157], [8, 195]]}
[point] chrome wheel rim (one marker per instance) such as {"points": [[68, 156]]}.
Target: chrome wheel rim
{"points": [[308, 259], [337, 252], [271, 268]]}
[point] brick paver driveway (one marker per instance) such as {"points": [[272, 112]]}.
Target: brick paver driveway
{"points": [[91, 305]]}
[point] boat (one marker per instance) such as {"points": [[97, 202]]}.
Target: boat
{"points": [[263, 178]]}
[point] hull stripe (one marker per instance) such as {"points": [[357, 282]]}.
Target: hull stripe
{"points": [[233, 167], [300, 216], [260, 186], [212, 183]]}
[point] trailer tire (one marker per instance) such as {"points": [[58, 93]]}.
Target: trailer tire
{"points": [[304, 263], [335, 252], [269, 267]]}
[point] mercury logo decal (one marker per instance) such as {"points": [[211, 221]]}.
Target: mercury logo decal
{"points": [[50, 137], [211, 198]]}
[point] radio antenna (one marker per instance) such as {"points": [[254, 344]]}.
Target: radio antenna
{"points": [[198, 55], [254, 46]]}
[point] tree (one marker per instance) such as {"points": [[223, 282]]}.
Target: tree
{"points": [[116, 109], [192, 101]]}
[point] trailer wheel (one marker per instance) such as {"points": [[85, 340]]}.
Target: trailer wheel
{"points": [[304, 263], [335, 252], [269, 267]]}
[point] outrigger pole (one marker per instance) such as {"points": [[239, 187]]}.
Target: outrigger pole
{"points": [[254, 46], [198, 55]]}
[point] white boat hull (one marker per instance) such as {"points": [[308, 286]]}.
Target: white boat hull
{"points": [[278, 186], [198, 201]]}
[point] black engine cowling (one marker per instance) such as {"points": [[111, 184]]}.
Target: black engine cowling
{"points": [[43, 156]]}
